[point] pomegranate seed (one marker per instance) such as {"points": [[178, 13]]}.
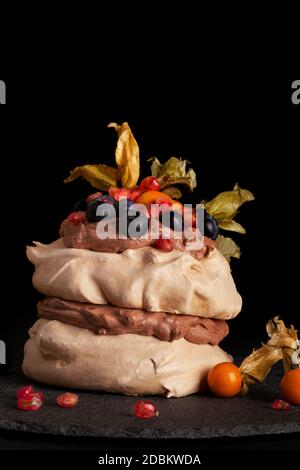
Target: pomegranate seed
{"points": [[112, 191], [161, 200], [281, 405], [145, 409], [150, 184], [92, 197], [76, 217], [67, 400], [31, 402], [134, 194], [164, 244], [23, 392], [122, 193]]}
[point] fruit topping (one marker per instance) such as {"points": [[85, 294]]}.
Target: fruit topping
{"points": [[211, 229], [154, 197], [76, 217], [177, 206], [23, 392], [135, 193], [225, 380], [93, 196], [163, 244], [122, 193], [28, 399], [145, 409], [91, 213], [150, 183], [290, 386], [80, 205], [67, 400], [176, 220], [281, 405]]}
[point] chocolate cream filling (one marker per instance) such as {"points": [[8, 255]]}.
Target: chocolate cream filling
{"points": [[112, 320], [83, 235]]}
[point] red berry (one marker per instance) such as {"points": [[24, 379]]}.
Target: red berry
{"points": [[164, 244], [162, 201], [122, 193], [67, 400], [23, 392], [31, 402], [76, 217], [93, 196], [112, 191], [145, 409], [134, 194], [150, 183], [117, 193], [281, 405]]}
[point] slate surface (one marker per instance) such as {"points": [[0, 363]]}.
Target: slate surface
{"points": [[108, 415]]}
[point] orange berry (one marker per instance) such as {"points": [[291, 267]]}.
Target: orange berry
{"points": [[290, 386], [225, 380], [177, 206], [153, 197]]}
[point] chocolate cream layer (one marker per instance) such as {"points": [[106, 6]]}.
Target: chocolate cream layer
{"points": [[83, 235], [112, 320]]}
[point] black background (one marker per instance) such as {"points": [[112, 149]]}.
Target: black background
{"points": [[231, 128]]}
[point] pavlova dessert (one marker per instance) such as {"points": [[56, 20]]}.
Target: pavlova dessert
{"points": [[138, 287]]}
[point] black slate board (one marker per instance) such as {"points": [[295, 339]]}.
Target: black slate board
{"points": [[109, 415]]}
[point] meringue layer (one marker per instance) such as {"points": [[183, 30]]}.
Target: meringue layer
{"points": [[147, 278], [67, 356]]}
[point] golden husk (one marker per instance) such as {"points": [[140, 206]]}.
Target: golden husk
{"points": [[281, 346], [127, 155]]}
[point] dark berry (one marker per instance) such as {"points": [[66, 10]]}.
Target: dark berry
{"points": [[106, 199], [211, 229], [80, 205], [92, 207], [176, 220]]}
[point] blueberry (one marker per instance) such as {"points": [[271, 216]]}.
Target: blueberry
{"points": [[176, 221], [92, 209], [129, 203], [80, 205], [142, 227], [211, 228], [106, 199]]}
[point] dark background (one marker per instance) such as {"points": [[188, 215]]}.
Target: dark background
{"points": [[231, 128]]}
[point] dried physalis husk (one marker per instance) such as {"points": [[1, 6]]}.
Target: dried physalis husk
{"points": [[127, 155], [99, 176], [228, 248], [225, 206], [173, 192], [281, 346], [286, 338], [173, 171]]}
